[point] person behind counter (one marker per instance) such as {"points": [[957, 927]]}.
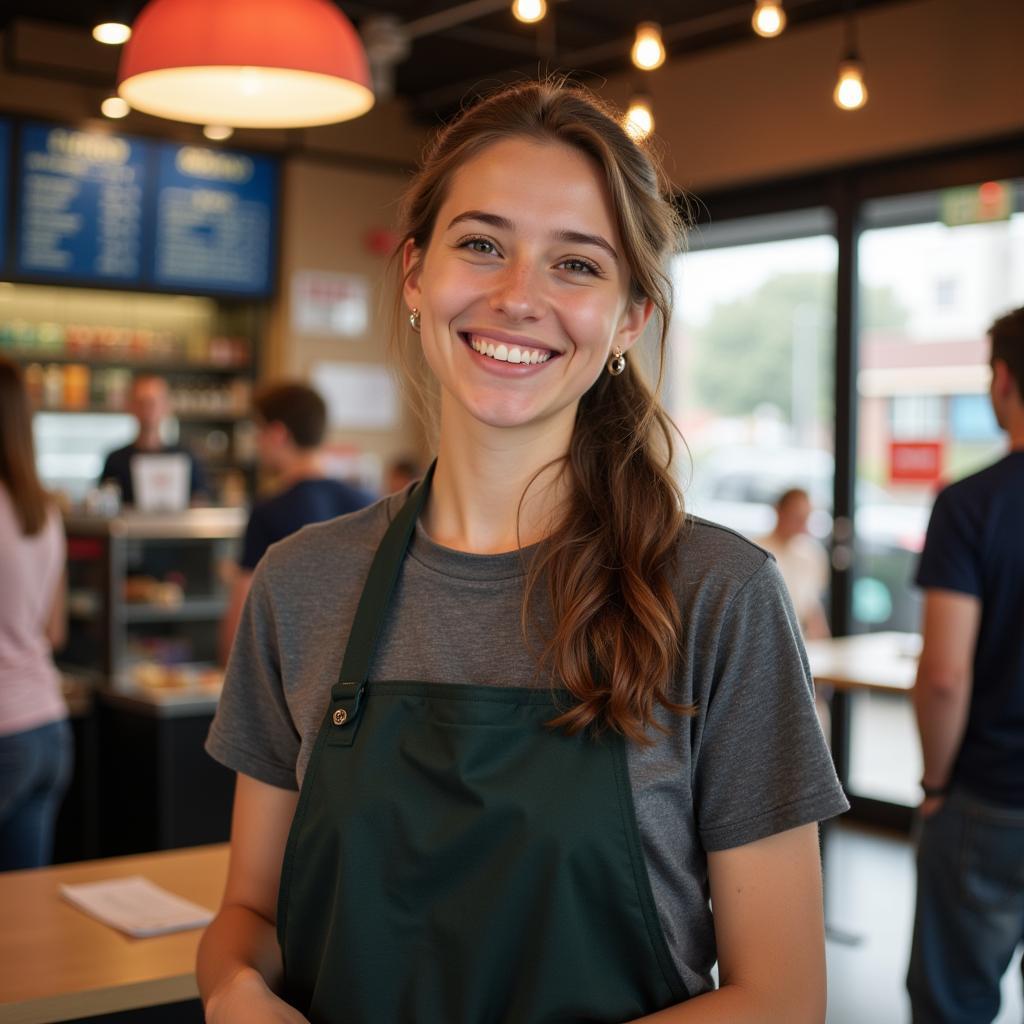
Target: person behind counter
{"points": [[291, 419], [35, 738], [150, 405], [538, 719]]}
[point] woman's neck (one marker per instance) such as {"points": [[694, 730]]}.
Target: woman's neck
{"points": [[477, 501]]}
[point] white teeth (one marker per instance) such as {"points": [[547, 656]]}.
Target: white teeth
{"points": [[508, 354]]}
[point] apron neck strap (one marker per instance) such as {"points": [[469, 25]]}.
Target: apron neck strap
{"points": [[384, 570]]}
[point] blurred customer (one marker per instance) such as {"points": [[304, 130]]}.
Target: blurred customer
{"points": [[969, 699], [290, 419], [400, 473], [150, 404], [802, 561], [35, 739]]}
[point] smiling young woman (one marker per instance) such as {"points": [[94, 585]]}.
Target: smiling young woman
{"points": [[559, 716]]}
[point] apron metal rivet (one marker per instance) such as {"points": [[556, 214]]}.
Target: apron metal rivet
{"points": [[340, 716]]}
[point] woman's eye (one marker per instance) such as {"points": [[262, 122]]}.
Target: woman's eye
{"points": [[480, 245], [578, 266]]}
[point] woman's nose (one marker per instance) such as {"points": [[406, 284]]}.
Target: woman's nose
{"points": [[518, 292]]}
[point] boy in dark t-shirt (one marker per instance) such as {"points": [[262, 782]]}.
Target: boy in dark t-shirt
{"points": [[291, 419], [969, 700]]}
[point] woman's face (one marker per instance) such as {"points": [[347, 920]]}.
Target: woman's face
{"points": [[523, 289]]}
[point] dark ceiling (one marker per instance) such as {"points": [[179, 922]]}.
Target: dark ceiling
{"points": [[587, 37]]}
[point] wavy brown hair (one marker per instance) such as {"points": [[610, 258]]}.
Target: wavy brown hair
{"points": [[609, 561], [17, 452]]}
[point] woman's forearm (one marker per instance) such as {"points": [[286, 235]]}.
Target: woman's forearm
{"points": [[237, 942], [734, 1004]]}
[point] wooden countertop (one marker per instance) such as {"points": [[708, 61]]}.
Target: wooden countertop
{"points": [[880, 662], [56, 963]]}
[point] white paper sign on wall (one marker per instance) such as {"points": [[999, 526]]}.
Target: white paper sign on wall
{"points": [[358, 396], [336, 305]]}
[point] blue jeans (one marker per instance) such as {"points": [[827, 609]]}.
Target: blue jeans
{"points": [[970, 910], [35, 769]]}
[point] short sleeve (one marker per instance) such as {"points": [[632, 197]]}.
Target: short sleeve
{"points": [[256, 540], [763, 766], [951, 559], [253, 731]]}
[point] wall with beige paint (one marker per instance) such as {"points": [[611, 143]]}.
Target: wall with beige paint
{"points": [[327, 214]]}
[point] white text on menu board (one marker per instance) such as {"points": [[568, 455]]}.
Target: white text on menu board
{"points": [[212, 232], [54, 181]]}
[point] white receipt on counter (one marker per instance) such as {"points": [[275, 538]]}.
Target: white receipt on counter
{"points": [[136, 906]]}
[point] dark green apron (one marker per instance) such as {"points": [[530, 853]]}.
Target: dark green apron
{"points": [[454, 861]]}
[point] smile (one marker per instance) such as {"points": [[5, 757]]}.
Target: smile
{"points": [[506, 353]]}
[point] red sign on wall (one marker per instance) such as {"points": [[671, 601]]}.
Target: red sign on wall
{"points": [[915, 462]]}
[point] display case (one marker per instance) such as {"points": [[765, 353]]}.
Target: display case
{"points": [[146, 594]]}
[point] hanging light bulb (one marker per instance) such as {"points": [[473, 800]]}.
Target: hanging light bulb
{"points": [[113, 33], [648, 50], [639, 119], [218, 132], [769, 18], [850, 92], [529, 11], [115, 108]]}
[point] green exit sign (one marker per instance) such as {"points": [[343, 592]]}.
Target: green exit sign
{"points": [[977, 204]]}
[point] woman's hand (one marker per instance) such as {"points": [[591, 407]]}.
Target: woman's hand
{"points": [[245, 999]]}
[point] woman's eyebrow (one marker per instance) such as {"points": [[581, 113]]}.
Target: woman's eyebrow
{"points": [[487, 218], [579, 238], [504, 224]]}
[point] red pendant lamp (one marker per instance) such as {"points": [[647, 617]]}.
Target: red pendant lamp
{"points": [[245, 63]]}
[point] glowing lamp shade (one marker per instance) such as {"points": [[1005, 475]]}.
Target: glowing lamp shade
{"points": [[257, 64], [850, 92]]}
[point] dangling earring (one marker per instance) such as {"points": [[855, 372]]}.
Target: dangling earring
{"points": [[414, 320], [617, 363]]}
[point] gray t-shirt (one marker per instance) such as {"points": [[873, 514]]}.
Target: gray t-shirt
{"points": [[751, 763]]}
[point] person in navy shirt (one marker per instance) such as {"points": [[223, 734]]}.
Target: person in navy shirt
{"points": [[150, 405], [291, 419], [969, 700]]}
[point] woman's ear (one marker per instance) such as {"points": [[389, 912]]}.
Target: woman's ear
{"points": [[635, 318], [412, 265]]}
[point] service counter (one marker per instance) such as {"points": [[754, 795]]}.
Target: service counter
{"points": [[58, 964]]}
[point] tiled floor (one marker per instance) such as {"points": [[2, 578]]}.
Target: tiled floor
{"points": [[869, 882]]}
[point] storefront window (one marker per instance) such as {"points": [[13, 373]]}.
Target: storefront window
{"points": [[752, 367], [930, 285]]}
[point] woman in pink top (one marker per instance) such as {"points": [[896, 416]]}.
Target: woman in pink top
{"points": [[35, 739]]}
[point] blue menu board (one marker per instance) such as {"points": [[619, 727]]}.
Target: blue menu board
{"points": [[215, 220], [5, 173], [80, 201]]}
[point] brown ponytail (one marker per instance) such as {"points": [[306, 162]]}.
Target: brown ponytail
{"points": [[609, 562], [17, 452]]}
